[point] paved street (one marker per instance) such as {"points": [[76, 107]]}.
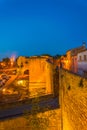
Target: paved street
{"points": [[17, 111]]}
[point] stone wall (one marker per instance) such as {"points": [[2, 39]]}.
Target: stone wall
{"points": [[73, 100], [40, 72]]}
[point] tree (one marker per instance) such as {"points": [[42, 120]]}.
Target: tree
{"points": [[57, 56], [6, 61]]}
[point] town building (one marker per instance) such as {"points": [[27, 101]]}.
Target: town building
{"points": [[71, 58], [82, 63]]}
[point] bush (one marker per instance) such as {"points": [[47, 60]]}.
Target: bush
{"points": [[81, 83]]}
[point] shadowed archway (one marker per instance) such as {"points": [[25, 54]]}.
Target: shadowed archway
{"points": [[26, 72]]}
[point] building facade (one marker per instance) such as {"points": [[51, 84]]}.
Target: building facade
{"points": [[82, 62], [71, 58]]}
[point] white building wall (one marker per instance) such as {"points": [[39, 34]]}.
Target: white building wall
{"points": [[82, 61]]}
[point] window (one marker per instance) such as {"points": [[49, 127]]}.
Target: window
{"points": [[80, 58], [84, 57], [26, 62]]}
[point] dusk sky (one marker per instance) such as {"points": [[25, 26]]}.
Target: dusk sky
{"points": [[34, 27]]}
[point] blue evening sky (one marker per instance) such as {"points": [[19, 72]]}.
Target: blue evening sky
{"points": [[34, 27]]}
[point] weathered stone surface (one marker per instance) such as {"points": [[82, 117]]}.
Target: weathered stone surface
{"points": [[40, 72], [23, 123], [73, 101]]}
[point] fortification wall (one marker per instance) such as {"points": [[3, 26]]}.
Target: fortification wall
{"points": [[73, 100], [40, 72], [37, 68]]}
